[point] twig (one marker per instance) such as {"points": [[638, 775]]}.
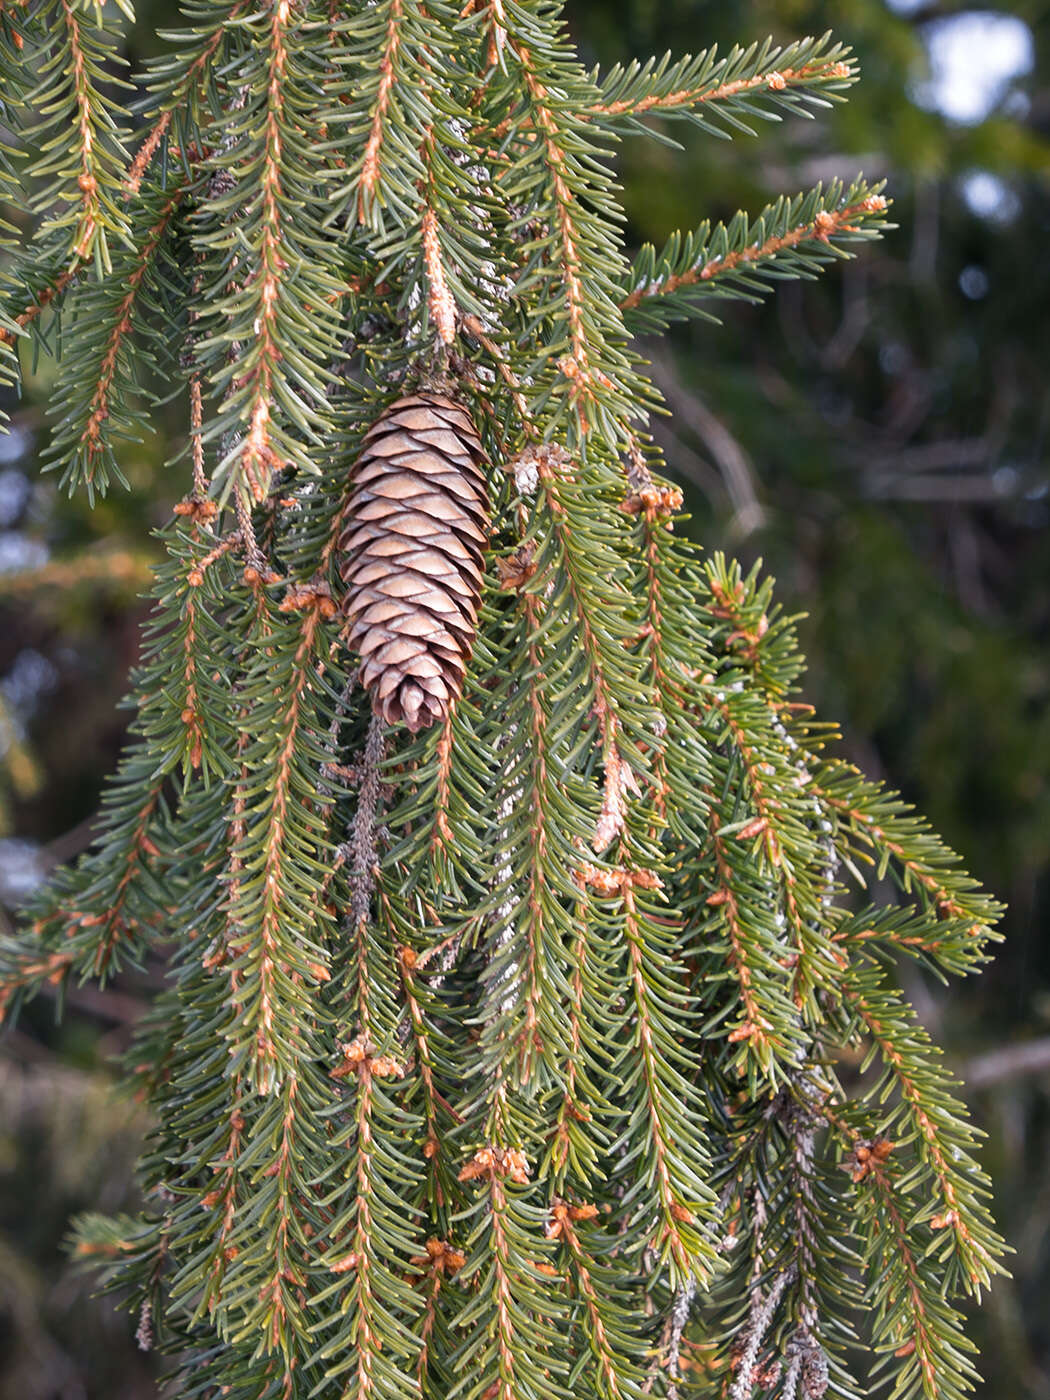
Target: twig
{"points": [[791, 1375], [680, 1311], [200, 480], [754, 1332], [362, 840], [246, 531]]}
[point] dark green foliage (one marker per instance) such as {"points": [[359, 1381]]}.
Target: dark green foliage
{"points": [[519, 1058]]}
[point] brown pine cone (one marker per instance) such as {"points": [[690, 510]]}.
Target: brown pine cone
{"points": [[412, 544]]}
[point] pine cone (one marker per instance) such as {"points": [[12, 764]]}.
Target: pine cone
{"points": [[412, 545]]}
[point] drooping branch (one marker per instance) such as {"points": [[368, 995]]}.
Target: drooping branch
{"points": [[182, 87], [938, 1122], [89, 439], [768, 1021], [107, 316], [573, 260], [553, 474], [282, 847], [266, 198], [371, 161], [49, 294], [605, 1318], [258, 457], [91, 225], [783, 824], [886, 833], [680, 1191]]}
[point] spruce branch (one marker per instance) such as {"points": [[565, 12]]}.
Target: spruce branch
{"points": [[497, 1057], [672, 660], [750, 634], [933, 1117], [178, 81], [750, 1340], [441, 838], [91, 919], [258, 456], [99, 406], [738, 908], [558, 490], [362, 842], [512, 1327], [606, 1321], [675, 1163], [200, 482], [791, 238], [572, 255], [265, 271], [581, 303], [783, 823], [48, 294], [189, 711], [440, 303], [176, 90], [923, 1345], [77, 180], [884, 833], [716, 94], [280, 852], [437, 1109], [144, 155], [571, 1142], [370, 162], [527, 976], [394, 104], [681, 1311]]}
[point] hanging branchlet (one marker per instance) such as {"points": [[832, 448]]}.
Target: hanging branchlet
{"points": [[508, 985], [72, 54]]}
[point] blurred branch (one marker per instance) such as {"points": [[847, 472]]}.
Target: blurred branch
{"points": [[856, 317], [1011, 1062], [948, 454], [973, 489], [732, 461], [926, 232], [71, 843], [113, 566]]}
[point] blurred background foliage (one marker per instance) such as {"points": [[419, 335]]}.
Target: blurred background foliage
{"points": [[879, 438]]}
